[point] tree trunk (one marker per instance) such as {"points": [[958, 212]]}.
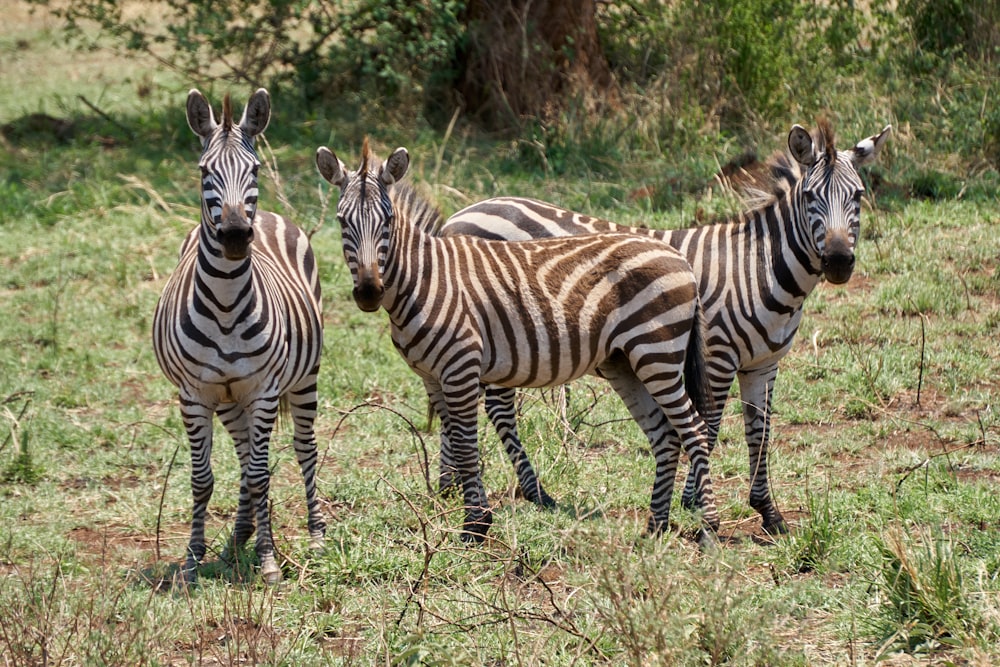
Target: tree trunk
{"points": [[531, 58]]}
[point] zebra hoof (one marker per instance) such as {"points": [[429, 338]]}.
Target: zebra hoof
{"points": [[708, 540], [657, 527], [185, 577], [542, 499], [270, 572], [776, 527], [474, 531], [317, 543]]}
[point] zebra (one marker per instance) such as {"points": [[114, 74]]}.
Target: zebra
{"points": [[238, 329], [465, 311], [754, 269]]}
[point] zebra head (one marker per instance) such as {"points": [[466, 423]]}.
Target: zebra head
{"points": [[365, 213], [229, 167], [830, 194]]}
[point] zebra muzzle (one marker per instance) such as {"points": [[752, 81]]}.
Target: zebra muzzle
{"points": [[235, 233], [838, 259], [368, 289]]}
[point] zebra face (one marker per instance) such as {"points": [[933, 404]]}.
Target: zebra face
{"points": [[366, 216], [830, 194], [229, 167]]}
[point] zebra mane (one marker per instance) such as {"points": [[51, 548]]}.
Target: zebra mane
{"points": [[416, 208], [780, 172], [227, 114], [366, 156], [824, 137], [761, 183]]}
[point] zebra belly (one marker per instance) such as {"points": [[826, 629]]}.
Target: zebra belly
{"points": [[542, 378], [236, 386]]}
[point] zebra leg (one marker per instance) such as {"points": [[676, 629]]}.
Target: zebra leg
{"points": [[653, 417], [448, 478], [303, 408], [500, 409], [462, 404], [198, 424], [712, 421], [756, 390], [263, 412], [237, 423]]}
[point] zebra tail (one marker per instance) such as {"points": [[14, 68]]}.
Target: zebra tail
{"points": [[695, 369], [430, 415]]}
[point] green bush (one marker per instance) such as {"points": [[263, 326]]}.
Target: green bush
{"points": [[389, 47], [946, 27]]}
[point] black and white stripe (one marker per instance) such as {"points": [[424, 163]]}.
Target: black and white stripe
{"points": [[465, 311], [754, 272], [238, 329]]}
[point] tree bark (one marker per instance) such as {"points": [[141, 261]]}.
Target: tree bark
{"points": [[531, 59]]}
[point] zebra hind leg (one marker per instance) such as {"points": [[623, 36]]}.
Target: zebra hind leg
{"points": [[666, 446], [689, 498]]}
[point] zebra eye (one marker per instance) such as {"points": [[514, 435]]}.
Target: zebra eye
{"points": [[254, 170], [343, 221]]}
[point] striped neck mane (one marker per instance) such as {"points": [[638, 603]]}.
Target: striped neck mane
{"points": [[778, 176], [417, 210], [227, 114]]}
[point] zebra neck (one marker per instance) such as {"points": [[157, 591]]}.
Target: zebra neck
{"points": [[778, 237], [781, 233], [410, 263], [224, 286]]}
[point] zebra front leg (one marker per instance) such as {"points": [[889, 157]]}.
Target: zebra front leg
{"points": [[448, 477], [237, 423], [198, 425], [258, 477], [756, 390], [501, 411], [303, 408], [462, 405]]}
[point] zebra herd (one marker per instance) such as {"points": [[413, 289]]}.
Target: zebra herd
{"points": [[506, 293]]}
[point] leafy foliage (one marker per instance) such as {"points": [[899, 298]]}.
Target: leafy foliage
{"points": [[319, 48]]}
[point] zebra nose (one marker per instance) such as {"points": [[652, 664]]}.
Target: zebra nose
{"points": [[838, 260], [235, 233], [368, 290]]}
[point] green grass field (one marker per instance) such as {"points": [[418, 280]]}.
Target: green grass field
{"points": [[885, 447]]}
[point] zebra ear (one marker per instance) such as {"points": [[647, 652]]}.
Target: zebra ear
{"points": [[200, 118], [868, 149], [331, 168], [257, 113], [800, 144], [395, 167]]}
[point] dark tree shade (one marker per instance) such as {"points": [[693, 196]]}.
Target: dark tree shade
{"points": [[530, 58]]}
